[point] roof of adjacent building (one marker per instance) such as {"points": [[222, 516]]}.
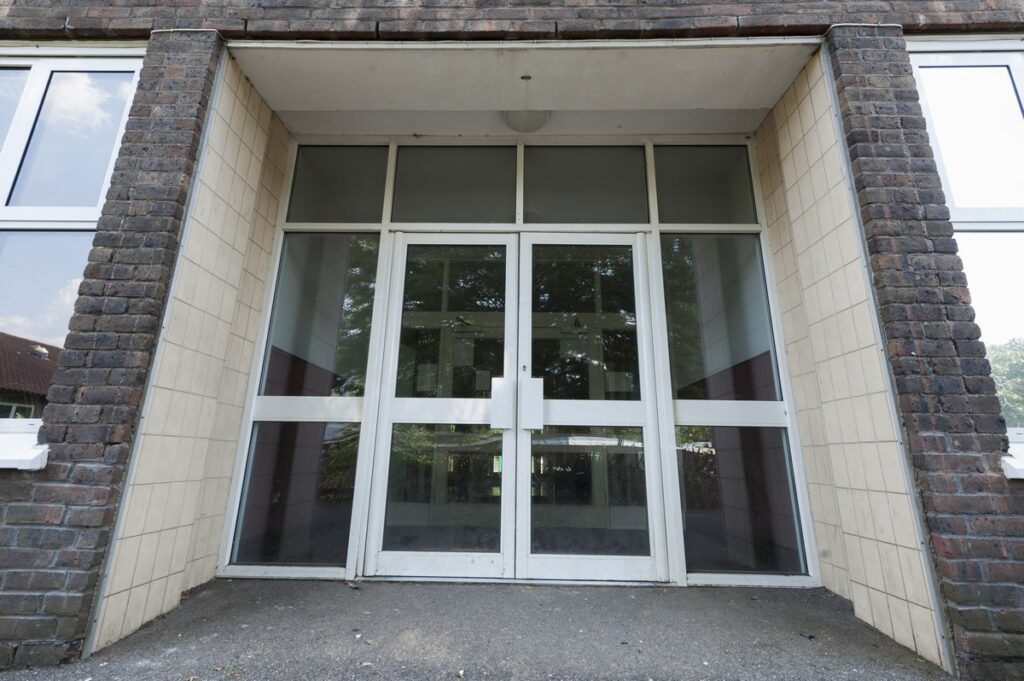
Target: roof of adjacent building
{"points": [[26, 365]]}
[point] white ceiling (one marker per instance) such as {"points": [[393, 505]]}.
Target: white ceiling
{"points": [[452, 88]]}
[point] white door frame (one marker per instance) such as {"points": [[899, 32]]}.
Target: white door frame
{"points": [[378, 561]]}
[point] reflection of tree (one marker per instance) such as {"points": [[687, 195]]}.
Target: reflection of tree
{"points": [[1007, 362], [684, 328], [338, 464], [355, 315], [699, 468]]}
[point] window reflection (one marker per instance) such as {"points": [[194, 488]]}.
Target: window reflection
{"points": [[584, 322], [39, 273], [453, 321], [298, 502], [338, 184], [12, 82], [588, 491], [719, 333], [739, 511], [444, 489], [320, 325], [71, 145]]}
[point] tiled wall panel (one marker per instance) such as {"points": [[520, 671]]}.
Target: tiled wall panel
{"points": [[869, 544], [170, 527]]}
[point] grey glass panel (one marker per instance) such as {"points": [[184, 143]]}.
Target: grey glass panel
{"points": [[320, 325], [588, 491], [338, 184], [704, 185], [297, 505], [12, 83], [584, 322], [585, 184], [75, 135], [453, 321], [719, 331], [739, 509], [992, 262], [455, 184], [40, 273], [444, 489]]}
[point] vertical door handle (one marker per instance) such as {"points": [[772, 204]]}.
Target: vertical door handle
{"points": [[502, 403], [531, 403]]}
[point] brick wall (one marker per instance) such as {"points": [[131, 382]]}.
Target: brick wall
{"points": [[468, 19], [956, 436], [57, 522]]}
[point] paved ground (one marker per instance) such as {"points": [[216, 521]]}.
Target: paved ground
{"points": [[234, 630]]}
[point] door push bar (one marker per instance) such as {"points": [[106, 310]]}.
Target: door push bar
{"points": [[530, 406]]}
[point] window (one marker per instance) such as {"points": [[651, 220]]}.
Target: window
{"points": [[973, 106], [61, 121]]}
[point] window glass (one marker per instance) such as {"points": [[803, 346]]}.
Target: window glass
{"points": [[12, 82], [584, 322], [320, 324], [297, 508], [338, 184], [704, 185], [455, 184], [444, 489], [585, 184], [719, 332], [453, 321], [75, 134], [588, 491], [39, 273], [976, 118], [738, 505], [996, 279]]}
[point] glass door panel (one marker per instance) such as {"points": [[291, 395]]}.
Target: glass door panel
{"points": [[585, 490], [445, 453]]}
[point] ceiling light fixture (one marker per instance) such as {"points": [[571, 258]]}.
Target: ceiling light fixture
{"points": [[525, 121]]}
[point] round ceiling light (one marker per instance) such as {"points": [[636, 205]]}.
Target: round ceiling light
{"points": [[525, 121]]}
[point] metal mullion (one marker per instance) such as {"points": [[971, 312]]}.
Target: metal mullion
{"points": [[23, 122], [520, 170]]}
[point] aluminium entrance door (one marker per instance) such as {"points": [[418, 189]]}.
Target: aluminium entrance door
{"points": [[517, 435]]}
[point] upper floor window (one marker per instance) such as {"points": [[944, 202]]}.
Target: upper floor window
{"points": [[61, 121], [973, 105]]}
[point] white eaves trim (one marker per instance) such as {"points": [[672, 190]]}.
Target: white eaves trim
{"points": [[18, 445]]}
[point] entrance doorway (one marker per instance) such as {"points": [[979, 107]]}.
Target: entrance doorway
{"points": [[517, 411], [520, 361]]}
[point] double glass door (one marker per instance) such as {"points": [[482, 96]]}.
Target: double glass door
{"points": [[516, 432]]}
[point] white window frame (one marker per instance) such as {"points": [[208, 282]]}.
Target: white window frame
{"points": [[1005, 51], [19, 135], [775, 414], [41, 62]]}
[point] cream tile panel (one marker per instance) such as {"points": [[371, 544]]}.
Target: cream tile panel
{"points": [[175, 500], [868, 544]]}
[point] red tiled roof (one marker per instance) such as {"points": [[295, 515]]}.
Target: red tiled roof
{"points": [[23, 367]]}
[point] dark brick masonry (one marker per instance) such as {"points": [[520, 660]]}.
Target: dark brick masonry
{"points": [[57, 523], [956, 436], [493, 19]]}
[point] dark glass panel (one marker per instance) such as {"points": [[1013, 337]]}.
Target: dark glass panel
{"points": [[739, 509], [585, 184], [297, 507], [584, 322], [588, 491], [719, 331], [320, 324], [704, 185], [455, 184], [338, 184], [444, 489], [453, 321]]}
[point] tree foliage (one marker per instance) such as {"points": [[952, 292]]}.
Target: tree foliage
{"points": [[1007, 362]]}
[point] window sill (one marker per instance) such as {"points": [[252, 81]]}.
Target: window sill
{"points": [[18, 448]]}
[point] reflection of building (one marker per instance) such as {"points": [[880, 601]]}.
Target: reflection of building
{"points": [[26, 367]]}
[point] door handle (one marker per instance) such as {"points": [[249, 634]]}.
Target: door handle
{"points": [[531, 403], [502, 404]]}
